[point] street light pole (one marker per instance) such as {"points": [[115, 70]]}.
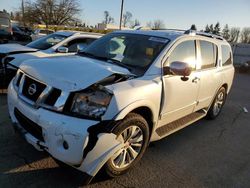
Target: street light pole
{"points": [[121, 14], [23, 18]]}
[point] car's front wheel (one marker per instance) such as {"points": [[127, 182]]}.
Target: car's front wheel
{"points": [[133, 131]]}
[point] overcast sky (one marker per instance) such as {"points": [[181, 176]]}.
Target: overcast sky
{"points": [[175, 13]]}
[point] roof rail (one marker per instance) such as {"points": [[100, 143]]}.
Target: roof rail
{"points": [[193, 32], [169, 30]]}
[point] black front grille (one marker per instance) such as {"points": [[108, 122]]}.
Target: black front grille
{"points": [[32, 89], [53, 96], [19, 79], [30, 126]]}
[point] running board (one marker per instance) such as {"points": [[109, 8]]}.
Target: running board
{"points": [[176, 125]]}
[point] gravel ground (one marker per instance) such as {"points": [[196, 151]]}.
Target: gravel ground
{"points": [[205, 154]]}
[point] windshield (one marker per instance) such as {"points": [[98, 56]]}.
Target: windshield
{"points": [[47, 42], [133, 51]]}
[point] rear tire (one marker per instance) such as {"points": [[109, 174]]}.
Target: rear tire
{"points": [[134, 132], [217, 104]]}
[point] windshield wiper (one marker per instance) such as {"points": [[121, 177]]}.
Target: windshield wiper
{"points": [[117, 62], [87, 54]]}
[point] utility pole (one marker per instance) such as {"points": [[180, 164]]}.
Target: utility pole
{"points": [[23, 13], [121, 14]]}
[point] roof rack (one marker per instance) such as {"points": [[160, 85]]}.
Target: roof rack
{"points": [[193, 32], [169, 30]]}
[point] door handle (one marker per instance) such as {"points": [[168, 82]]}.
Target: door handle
{"points": [[195, 80]]}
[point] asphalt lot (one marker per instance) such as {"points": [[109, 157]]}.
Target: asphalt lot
{"points": [[205, 154]]}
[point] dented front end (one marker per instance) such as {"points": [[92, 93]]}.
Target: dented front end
{"points": [[83, 141]]}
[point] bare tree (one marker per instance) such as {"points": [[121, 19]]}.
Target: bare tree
{"points": [[234, 34], [17, 16], [150, 25], [225, 32], [107, 18], [245, 35], [51, 12], [156, 24], [159, 24], [135, 23], [126, 18]]}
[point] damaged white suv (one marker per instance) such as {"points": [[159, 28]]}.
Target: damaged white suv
{"points": [[102, 108]]}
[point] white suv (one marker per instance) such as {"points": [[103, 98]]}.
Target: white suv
{"points": [[102, 108]]}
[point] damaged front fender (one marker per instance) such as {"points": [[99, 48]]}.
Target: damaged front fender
{"points": [[106, 146]]}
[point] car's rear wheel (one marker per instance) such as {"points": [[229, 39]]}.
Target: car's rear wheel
{"points": [[133, 131], [217, 104]]}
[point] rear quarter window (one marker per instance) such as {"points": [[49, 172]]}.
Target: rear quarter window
{"points": [[226, 55]]}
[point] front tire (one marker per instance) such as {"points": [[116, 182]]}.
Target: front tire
{"points": [[134, 132], [217, 104]]}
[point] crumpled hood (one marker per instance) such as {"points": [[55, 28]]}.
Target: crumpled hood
{"points": [[15, 48], [72, 73]]}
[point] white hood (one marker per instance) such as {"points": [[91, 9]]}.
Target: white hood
{"points": [[70, 73], [19, 58], [15, 48]]}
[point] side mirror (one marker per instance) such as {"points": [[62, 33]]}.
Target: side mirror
{"points": [[180, 68], [62, 49]]}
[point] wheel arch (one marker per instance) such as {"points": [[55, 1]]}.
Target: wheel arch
{"points": [[144, 108], [225, 85]]}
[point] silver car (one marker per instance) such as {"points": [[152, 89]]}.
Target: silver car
{"points": [[103, 107]]}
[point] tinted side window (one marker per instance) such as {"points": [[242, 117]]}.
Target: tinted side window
{"points": [[208, 54], [184, 52], [79, 44], [226, 55]]}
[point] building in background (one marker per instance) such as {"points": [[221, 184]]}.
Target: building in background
{"points": [[102, 26]]}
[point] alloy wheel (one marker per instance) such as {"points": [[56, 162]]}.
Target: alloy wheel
{"points": [[132, 137]]}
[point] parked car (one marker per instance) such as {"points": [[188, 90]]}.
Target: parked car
{"points": [[19, 34], [26, 29], [102, 107], [57, 44], [38, 33], [245, 67], [5, 27]]}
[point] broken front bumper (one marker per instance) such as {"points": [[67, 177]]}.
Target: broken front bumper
{"points": [[66, 138]]}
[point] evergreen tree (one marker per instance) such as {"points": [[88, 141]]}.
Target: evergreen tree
{"points": [[216, 29], [211, 28], [11, 16], [207, 29], [193, 27], [226, 32]]}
